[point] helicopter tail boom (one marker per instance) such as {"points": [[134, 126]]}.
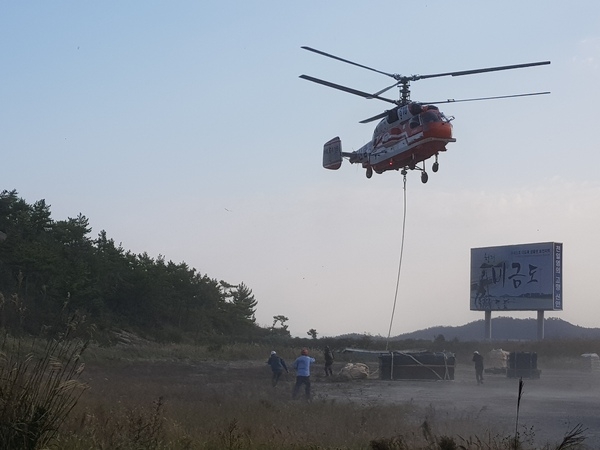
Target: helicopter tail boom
{"points": [[332, 154]]}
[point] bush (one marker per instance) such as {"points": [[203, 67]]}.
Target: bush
{"points": [[38, 388]]}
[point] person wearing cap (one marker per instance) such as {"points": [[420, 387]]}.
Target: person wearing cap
{"points": [[478, 360], [277, 367], [302, 368], [328, 354]]}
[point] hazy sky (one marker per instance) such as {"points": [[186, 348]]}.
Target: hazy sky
{"points": [[183, 130]]}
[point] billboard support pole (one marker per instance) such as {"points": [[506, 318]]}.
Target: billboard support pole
{"points": [[540, 324], [488, 325]]}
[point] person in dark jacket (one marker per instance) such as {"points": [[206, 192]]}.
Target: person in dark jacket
{"points": [[478, 360], [277, 367], [328, 354]]}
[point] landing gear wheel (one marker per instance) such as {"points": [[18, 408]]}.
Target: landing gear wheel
{"points": [[435, 166], [424, 177], [369, 172]]}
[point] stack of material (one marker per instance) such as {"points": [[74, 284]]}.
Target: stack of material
{"points": [[497, 361], [590, 362], [522, 365], [420, 365], [354, 371]]}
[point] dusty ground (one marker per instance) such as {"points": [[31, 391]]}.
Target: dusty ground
{"points": [[552, 404]]}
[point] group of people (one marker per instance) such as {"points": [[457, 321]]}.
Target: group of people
{"points": [[302, 367]]}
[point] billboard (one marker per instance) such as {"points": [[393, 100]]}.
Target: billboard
{"points": [[524, 277]]}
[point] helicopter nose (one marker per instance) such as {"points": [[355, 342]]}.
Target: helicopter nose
{"points": [[440, 130]]}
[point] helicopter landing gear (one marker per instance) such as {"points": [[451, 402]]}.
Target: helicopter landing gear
{"points": [[424, 175], [435, 167], [369, 172], [413, 164]]}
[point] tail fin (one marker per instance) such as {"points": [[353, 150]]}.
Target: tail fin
{"points": [[332, 154]]}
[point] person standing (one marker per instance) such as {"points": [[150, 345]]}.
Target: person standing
{"points": [[328, 354], [302, 368], [478, 360], [277, 367]]}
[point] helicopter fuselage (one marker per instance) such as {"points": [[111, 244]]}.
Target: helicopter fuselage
{"points": [[407, 136]]}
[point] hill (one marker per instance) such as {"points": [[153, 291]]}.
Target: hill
{"points": [[506, 328]]}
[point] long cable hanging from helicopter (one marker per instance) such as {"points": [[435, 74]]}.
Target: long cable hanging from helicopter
{"points": [[387, 341]]}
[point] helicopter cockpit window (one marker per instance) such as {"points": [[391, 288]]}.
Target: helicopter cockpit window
{"points": [[392, 115], [415, 121], [430, 116]]}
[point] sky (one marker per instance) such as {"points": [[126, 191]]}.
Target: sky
{"points": [[183, 129]]}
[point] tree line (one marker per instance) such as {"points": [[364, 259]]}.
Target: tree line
{"points": [[51, 270]]}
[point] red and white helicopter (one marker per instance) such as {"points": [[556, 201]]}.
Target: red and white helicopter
{"points": [[410, 132]]}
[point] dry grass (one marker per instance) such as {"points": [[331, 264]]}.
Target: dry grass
{"points": [[38, 389], [150, 396], [241, 415]]}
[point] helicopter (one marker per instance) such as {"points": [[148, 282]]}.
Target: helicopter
{"points": [[409, 133]]}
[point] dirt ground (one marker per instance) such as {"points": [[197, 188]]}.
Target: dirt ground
{"points": [[552, 404]]}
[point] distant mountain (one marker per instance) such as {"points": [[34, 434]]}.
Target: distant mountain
{"points": [[507, 328]]}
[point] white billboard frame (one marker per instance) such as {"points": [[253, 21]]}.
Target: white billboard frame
{"points": [[522, 277]]}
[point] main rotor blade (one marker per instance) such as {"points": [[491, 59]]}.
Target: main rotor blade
{"points": [[471, 72], [377, 117], [451, 100], [404, 79], [348, 62], [386, 89], [347, 89]]}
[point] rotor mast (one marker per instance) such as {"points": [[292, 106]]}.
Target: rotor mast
{"points": [[404, 86]]}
